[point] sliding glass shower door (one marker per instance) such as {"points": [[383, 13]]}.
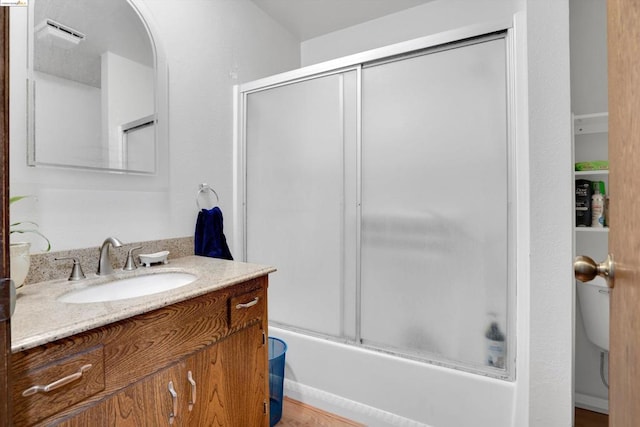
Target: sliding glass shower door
{"points": [[435, 201], [300, 158], [383, 194]]}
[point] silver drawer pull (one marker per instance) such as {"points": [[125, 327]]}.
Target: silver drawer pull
{"points": [[174, 400], [247, 304], [58, 383], [192, 401]]}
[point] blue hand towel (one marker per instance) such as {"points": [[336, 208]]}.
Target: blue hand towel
{"points": [[209, 238]]}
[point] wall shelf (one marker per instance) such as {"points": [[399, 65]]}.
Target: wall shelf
{"points": [[591, 230], [591, 123], [591, 173]]}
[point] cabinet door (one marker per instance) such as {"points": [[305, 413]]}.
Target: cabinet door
{"points": [[231, 382], [145, 403], [150, 402], [96, 416]]}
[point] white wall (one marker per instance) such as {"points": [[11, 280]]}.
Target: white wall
{"points": [[588, 56], [588, 95], [544, 368], [210, 45], [551, 293], [430, 18]]}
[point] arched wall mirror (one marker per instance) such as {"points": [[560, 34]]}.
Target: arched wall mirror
{"points": [[92, 87]]}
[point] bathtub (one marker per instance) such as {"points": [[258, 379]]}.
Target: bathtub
{"points": [[379, 389]]}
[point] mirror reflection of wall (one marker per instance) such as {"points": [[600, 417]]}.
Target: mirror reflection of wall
{"points": [[92, 84]]}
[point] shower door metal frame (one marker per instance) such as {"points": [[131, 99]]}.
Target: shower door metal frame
{"points": [[421, 46]]}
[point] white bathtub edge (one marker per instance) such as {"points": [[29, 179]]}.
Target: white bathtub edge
{"points": [[346, 408]]}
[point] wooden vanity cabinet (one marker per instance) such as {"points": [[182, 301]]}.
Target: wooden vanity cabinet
{"points": [[213, 346], [230, 389]]}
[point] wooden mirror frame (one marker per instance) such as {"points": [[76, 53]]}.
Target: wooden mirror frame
{"points": [[5, 324]]}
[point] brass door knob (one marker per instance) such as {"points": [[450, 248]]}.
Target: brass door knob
{"points": [[586, 269]]}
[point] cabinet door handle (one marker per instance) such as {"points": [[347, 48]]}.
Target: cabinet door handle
{"points": [[192, 401], [174, 399], [58, 383], [248, 304]]}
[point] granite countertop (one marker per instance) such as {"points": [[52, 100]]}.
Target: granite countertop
{"points": [[40, 318]]}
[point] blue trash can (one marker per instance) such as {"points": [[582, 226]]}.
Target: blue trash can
{"points": [[277, 351]]}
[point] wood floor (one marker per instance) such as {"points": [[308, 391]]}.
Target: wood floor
{"points": [[586, 418], [296, 413]]}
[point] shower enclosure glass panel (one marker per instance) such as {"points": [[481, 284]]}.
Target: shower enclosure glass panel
{"points": [[435, 202], [383, 192], [300, 214]]}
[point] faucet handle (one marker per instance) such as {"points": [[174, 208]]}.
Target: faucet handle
{"points": [[76, 271], [131, 264]]}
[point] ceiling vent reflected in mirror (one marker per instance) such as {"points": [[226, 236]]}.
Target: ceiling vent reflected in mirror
{"points": [[58, 35]]}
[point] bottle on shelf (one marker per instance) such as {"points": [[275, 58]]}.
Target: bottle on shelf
{"points": [[597, 205], [584, 191]]}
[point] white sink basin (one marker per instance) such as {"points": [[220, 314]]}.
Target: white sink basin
{"points": [[131, 287]]}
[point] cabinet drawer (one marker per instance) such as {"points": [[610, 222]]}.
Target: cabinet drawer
{"points": [[247, 307], [45, 390]]}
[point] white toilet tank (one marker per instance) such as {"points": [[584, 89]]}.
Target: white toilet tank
{"points": [[593, 299]]}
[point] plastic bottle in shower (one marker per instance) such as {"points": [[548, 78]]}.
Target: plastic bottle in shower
{"points": [[597, 207], [495, 345]]}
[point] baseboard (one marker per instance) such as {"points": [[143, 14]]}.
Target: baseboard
{"points": [[356, 411], [591, 403]]}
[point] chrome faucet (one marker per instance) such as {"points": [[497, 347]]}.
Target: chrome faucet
{"points": [[104, 262]]}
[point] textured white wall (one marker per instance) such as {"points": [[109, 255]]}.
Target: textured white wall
{"points": [[551, 293], [210, 46]]}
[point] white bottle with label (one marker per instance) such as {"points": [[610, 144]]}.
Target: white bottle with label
{"points": [[597, 207], [495, 341]]}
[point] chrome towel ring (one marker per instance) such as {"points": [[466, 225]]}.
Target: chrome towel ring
{"points": [[206, 190]]}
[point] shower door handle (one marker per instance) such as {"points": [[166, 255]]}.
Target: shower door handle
{"points": [[586, 269]]}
